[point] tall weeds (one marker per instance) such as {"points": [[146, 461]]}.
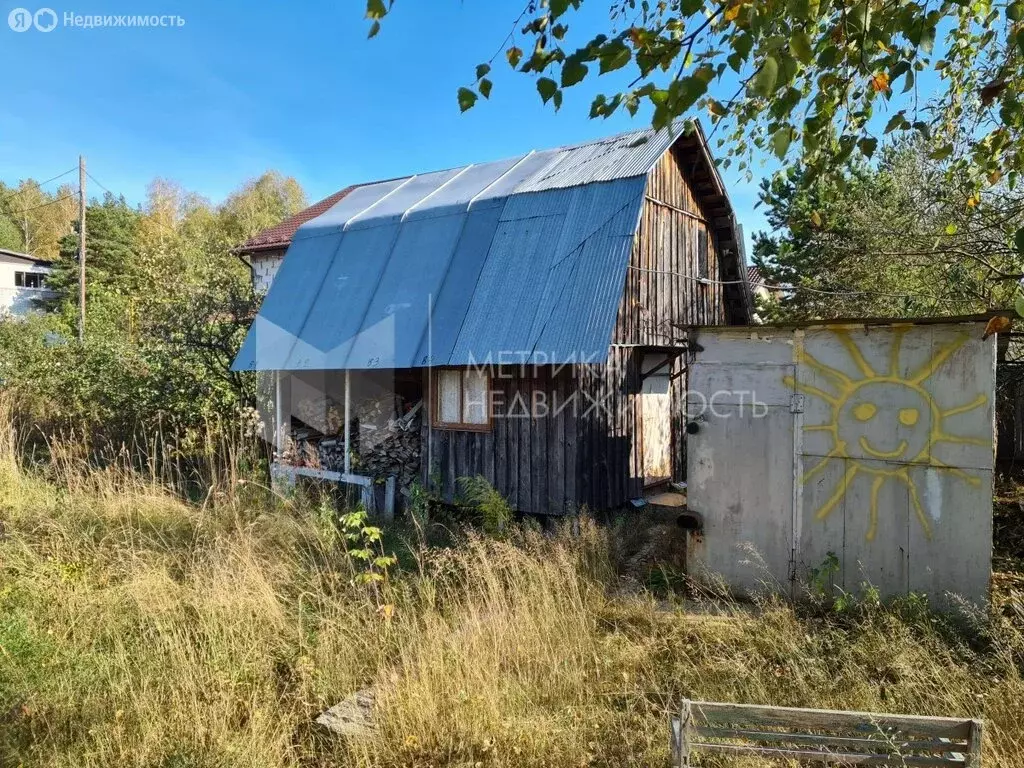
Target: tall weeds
{"points": [[140, 630]]}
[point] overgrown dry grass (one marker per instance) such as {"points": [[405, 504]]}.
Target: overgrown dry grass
{"points": [[137, 630]]}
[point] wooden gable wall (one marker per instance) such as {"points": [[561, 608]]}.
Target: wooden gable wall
{"points": [[674, 246]]}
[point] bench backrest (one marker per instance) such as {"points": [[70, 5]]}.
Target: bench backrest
{"points": [[822, 735]]}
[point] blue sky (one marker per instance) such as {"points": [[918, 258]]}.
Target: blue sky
{"points": [[246, 87]]}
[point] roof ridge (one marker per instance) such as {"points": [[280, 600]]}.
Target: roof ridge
{"points": [[562, 167], [616, 136]]}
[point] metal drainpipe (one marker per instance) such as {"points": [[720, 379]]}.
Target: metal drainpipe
{"points": [[278, 425], [348, 424]]}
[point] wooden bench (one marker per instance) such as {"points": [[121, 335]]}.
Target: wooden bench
{"points": [[823, 736]]}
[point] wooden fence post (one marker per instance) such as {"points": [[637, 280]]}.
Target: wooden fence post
{"points": [[684, 734], [389, 498], [974, 742]]}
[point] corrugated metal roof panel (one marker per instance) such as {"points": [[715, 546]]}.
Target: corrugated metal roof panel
{"points": [[282, 317], [342, 298], [449, 306], [416, 269], [525, 256], [617, 157], [582, 317], [524, 169], [504, 303], [355, 202], [553, 202], [391, 208], [574, 315], [455, 195]]}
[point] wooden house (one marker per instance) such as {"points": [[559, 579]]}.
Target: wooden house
{"points": [[525, 320]]}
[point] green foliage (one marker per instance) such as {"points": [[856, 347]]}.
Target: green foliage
{"points": [[167, 304], [466, 99], [869, 599], [494, 511], [419, 505], [113, 264], [825, 593], [892, 238], [821, 579], [33, 220], [365, 547], [810, 70], [10, 235], [259, 204]]}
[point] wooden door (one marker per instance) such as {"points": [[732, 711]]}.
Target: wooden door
{"points": [[656, 421]]}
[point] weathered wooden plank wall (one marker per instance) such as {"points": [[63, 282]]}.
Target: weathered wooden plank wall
{"points": [[1010, 415], [675, 247], [611, 467], [529, 455], [561, 438]]}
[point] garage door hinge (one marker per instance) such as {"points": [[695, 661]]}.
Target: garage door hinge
{"points": [[796, 403]]}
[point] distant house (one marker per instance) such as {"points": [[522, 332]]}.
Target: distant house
{"points": [[265, 251], [760, 287], [527, 320], [22, 282]]}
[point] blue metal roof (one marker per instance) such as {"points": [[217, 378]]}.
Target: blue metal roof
{"points": [[524, 258]]}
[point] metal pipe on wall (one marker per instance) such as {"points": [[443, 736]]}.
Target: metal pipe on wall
{"points": [[348, 423], [278, 426]]}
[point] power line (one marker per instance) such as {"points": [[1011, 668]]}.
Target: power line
{"points": [[38, 185], [43, 205], [153, 219], [98, 183], [709, 281]]}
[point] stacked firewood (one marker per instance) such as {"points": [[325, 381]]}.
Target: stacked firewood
{"points": [[385, 437], [321, 413], [331, 452], [396, 453]]}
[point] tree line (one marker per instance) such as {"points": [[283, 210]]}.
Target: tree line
{"points": [[891, 238], [168, 303]]}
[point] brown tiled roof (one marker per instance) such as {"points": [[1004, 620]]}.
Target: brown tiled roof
{"points": [[754, 275], [280, 235]]}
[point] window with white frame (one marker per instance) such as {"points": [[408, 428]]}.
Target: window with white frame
{"points": [[29, 280], [462, 399]]}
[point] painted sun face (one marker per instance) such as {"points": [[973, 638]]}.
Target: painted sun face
{"points": [[887, 420], [883, 423]]}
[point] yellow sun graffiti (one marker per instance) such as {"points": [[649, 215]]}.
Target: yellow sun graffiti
{"points": [[879, 398]]}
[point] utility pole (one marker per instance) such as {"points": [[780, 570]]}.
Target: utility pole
{"points": [[81, 249]]}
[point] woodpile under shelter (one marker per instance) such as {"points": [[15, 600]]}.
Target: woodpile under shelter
{"points": [[524, 320]]}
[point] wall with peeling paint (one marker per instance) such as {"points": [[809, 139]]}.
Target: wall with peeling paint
{"points": [[872, 442]]}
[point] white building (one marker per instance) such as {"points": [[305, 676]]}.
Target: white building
{"points": [[22, 282]]}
